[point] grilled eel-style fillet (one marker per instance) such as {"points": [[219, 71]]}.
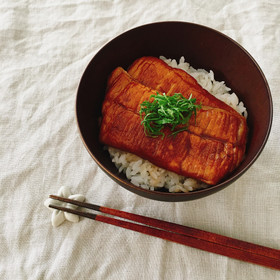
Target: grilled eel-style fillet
{"points": [[209, 122], [155, 73], [186, 154], [212, 147]]}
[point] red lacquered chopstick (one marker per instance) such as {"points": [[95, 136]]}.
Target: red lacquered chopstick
{"points": [[192, 237]]}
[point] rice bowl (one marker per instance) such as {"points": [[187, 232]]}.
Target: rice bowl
{"points": [[209, 49]]}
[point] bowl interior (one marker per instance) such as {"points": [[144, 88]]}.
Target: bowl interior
{"points": [[203, 48]]}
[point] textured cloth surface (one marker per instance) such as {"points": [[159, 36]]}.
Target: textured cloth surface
{"points": [[44, 48]]}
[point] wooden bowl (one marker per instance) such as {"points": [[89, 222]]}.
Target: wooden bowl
{"points": [[202, 47]]}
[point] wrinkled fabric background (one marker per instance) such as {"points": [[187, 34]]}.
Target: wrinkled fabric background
{"points": [[44, 48]]}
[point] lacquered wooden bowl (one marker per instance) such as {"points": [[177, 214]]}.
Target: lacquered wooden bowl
{"points": [[202, 47]]}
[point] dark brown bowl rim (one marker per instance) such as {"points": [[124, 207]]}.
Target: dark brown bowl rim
{"points": [[176, 197]]}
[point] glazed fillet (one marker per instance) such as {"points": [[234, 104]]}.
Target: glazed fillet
{"points": [[209, 122], [212, 147], [186, 154], [155, 73]]}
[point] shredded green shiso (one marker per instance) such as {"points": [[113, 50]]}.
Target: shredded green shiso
{"points": [[174, 111]]}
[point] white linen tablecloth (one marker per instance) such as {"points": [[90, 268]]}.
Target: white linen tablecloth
{"points": [[44, 49]]}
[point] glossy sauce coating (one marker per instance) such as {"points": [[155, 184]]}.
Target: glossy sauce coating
{"points": [[212, 147]]}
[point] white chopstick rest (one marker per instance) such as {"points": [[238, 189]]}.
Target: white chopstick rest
{"points": [[58, 217]]}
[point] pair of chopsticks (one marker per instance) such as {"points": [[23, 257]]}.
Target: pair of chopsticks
{"points": [[192, 237]]}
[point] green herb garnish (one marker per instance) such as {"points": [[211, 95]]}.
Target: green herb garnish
{"points": [[164, 110]]}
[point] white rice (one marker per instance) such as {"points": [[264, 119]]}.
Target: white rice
{"points": [[144, 174]]}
